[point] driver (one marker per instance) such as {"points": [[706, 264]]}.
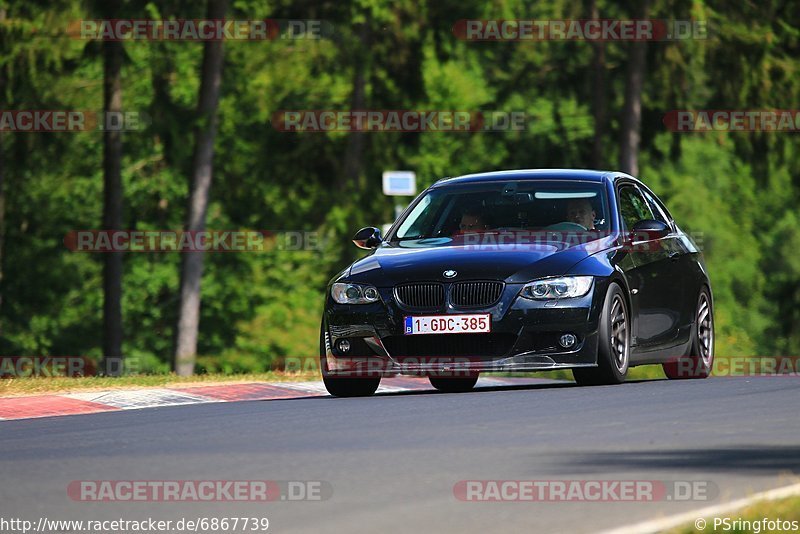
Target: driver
{"points": [[472, 221], [580, 211]]}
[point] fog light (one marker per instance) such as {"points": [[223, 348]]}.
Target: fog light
{"points": [[568, 340], [343, 345]]}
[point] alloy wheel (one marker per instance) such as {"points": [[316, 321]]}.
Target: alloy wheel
{"points": [[620, 346]]}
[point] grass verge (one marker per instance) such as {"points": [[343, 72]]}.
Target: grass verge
{"points": [[12, 387]]}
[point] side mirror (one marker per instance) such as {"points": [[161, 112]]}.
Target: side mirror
{"points": [[367, 238], [648, 230]]}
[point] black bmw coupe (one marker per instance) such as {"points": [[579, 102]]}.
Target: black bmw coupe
{"points": [[526, 270]]}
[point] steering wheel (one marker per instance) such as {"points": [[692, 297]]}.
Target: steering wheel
{"points": [[566, 225]]}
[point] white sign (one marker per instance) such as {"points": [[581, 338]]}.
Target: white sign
{"points": [[399, 183]]}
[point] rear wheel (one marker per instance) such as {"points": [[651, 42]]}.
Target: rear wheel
{"points": [[453, 385], [341, 386], [700, 359], [613, 350]]}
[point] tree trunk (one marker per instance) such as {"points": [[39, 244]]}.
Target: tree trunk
{"points": [[354, 151], [599, 95], [2, 211], [2, 175], [630, 134], [112, 211], [205, 133]]}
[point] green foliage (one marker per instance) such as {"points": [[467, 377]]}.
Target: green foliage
{"points": [[737, 193], [711, 193]]}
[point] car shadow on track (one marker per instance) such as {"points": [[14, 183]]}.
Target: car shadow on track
{"points": [[550, 384], [772, 459], [477, 390]]}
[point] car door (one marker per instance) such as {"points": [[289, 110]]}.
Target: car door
{"points": [[682, 265], [656, 294]]}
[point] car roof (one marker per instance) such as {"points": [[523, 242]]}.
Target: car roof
{"points": [[532, 174]]}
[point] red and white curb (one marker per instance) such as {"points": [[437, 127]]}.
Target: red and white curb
{"points": [[12, 408]]}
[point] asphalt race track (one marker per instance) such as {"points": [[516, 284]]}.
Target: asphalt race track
{"points": [[393, 460]]}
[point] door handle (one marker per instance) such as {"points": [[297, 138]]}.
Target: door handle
{"points": [[674, 256]]}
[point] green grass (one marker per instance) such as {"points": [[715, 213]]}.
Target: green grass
{"points": [[784, 509]]}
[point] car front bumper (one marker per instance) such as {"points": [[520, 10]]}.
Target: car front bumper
{"points": [[524, 337]]}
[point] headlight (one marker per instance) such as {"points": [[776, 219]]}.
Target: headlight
{"points": [[354, 294], [558, 288]]}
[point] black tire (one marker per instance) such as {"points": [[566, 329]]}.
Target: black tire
{"points": [[339, 386], [613, 348], [699, 361], [453, 385]]}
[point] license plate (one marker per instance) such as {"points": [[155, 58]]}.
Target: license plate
{"points": [[448, 324]]}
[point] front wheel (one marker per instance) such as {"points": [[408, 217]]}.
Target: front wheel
{"points": [[613, 351], [700, 359], [453, 385], [340, 386]]}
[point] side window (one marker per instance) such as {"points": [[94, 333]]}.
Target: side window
{"points": [[655, 207], [632, 206]]}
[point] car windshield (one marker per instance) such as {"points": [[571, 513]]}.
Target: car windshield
{"points": [[448, 212]]}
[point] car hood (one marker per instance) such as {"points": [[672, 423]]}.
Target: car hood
{"points": [[392, 264]]}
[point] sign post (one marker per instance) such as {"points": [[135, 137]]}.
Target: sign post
{"points": [[398, 184]]}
